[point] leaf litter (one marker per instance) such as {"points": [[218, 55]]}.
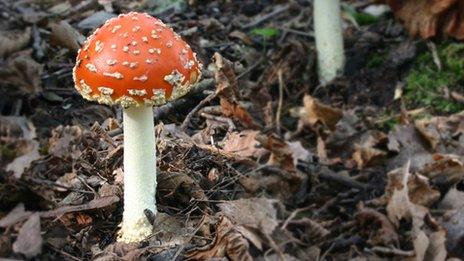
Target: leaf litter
{"points": [[265, 166]]}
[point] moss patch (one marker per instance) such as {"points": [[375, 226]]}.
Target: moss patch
{"points": [[425, 84]]}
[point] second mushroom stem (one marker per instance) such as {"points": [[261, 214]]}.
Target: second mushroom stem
{"points": [[329, 39], [139, 169]]}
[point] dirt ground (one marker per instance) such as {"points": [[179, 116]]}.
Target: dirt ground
{"points": [[258, 162]]}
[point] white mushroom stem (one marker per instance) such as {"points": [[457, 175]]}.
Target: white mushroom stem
{"points": [[139, 173], [329, 39]]}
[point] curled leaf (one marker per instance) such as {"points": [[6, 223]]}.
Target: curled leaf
{"points": [[430, 18]]}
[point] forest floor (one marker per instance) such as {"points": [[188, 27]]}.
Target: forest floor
{"points": [[369, 167]]}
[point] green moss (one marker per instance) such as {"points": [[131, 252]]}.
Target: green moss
{"points": [[376, 59], [6, 152], [425, 83]]}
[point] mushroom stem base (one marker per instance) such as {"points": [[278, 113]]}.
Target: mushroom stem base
{"points": [[139, 173], [135, 231]]}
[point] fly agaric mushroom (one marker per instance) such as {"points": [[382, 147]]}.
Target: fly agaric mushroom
{"points": [[329, 39], [135, 60]]}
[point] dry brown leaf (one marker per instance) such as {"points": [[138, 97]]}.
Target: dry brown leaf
{"points": [[227, 90], [418, 188], [241, 36], [367, 157], [431, 135], [29, 152], [365, 152], [13, 127], [444, 169], [253, 217], [11, 42], [453, 222], [16, 215], [282, 154], [22, 72], [311, 230], [29, 240], [227, 243], [178, 189], [20, 134], [314, 112], [376, 226], [96, 203], [454, 199], [65, 142], [258, 213], [63, 34], [243, 144], [428, 245], [430, 18]]}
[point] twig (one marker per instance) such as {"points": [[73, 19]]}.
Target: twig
{"points": [[250, 68], [197, 88], [263, 18], [328, 174], [281, 97], [203, 219], [189, 116], [293, 215], [63, 253], [436, 58], [298, 32], [392, 251], [53, 184], [221, 119]]}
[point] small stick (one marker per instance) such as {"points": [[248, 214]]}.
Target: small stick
{"points": [[272, 14], [392, 251], [189, 116], [281, 97]]}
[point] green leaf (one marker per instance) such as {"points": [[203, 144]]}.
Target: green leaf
{"points": [[266, 32], [359, 18]]}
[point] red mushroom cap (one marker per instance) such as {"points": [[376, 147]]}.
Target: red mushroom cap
{"points": [[135, 59]]}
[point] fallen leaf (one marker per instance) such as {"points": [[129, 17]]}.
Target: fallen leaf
{"points": [[65, 142], [453, 222], [258, 213], [11, 42], [243, 144], [314, 112], [178, 189], [430, 18], [95, 20], [417, 187], [227, 243], [29, 152], [22, 72], [63, 34], [454, 199], [94, 204], [281, 155], [409, 145], [444, 169], [29, 240], [431, 135], [311, 230], [170, 231], [227, 90], [241, 36], [16, 215], [428, 245], [376, 226], [367, 157]]}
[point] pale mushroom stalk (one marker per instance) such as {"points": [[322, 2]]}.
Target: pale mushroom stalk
{"points": [[329, 39], [139, 172]]}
